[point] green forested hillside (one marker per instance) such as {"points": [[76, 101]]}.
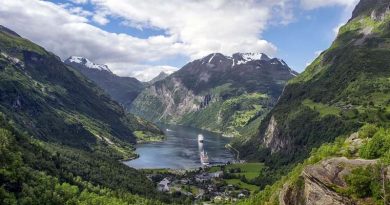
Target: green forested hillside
{"points": [[346, 86], [57, 104], [36, 172], [61, 137]]}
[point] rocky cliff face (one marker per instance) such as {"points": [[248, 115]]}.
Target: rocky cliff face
{"points": [[166, 102], [318, 183], [198, 92]]}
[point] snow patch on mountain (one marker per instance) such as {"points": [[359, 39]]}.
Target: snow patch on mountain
{"points": [[87, 63]]}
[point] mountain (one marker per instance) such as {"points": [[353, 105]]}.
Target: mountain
{"points": [[61, 137], [159, 77], [334, 120], [219, 93], [344, 88], [56, 103], [122, 89]]}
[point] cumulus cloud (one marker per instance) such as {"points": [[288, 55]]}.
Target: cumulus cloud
{"points": [[65, 33], [313, 4], [194, 28], [100, 18], [79, 1], [203, 26], [142, 72]]}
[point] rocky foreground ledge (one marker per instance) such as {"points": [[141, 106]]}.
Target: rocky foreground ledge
{"points": [[319, 183]]}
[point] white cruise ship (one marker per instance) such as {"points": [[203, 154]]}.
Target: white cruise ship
{"points": [[200, 138]]}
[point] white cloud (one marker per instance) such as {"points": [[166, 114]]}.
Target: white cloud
{"points": [[141, 72], [337, 28], [316, 54], [100, 19], [66, 34], [203, 26], [79, 1], [313, 4], [194, 28]]}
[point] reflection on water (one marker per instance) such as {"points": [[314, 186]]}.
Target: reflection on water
{"points": [[181, 149]]}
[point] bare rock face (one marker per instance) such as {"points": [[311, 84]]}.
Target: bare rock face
{"points": [[167, 101], [271, 138], [319, 180], [377, 8]]}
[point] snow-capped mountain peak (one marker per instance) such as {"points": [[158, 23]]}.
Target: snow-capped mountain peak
{"points": [[254, 56], [87, 63], [242, 58]]}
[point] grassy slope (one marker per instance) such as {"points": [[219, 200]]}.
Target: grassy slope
{"points": [[230, 116]]}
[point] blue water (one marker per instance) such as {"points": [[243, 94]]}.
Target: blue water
{"points": [[181, 150]]}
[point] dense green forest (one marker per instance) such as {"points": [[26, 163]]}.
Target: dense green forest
{"points": [[61, 137]]}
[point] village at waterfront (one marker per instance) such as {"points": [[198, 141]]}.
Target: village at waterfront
{"points": [[214, 182]]}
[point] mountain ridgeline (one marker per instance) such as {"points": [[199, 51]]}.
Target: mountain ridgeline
{"points": [[121, 89], [218, 93], [345, 87]]}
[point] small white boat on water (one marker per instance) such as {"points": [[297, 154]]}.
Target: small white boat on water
{"points": [[200, 138], [204, 158]]}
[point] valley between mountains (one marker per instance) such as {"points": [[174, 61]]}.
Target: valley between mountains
{"points": [[239, 129]]}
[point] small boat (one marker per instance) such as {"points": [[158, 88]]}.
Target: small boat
{"points": [[200, 138], [204, 158]]}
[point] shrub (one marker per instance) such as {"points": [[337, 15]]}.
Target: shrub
{"points": [[377, 146], [367, 131], [365, 182]]}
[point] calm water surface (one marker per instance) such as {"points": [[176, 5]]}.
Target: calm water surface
{"points": [[180, 150]]}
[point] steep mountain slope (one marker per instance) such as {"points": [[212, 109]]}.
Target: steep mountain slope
{"points": [[122, 89], [346, 86], [61, 137], [57, 104], [218, 93]]}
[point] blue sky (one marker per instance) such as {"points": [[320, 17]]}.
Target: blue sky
{"points": [[143, 38], [312, 31]]}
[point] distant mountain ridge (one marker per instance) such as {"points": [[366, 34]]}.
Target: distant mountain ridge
{"points": [[160, 76], [252, 83], [122, 89]]}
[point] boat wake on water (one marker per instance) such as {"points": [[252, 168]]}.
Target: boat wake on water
{"points": [[204, 158]]}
